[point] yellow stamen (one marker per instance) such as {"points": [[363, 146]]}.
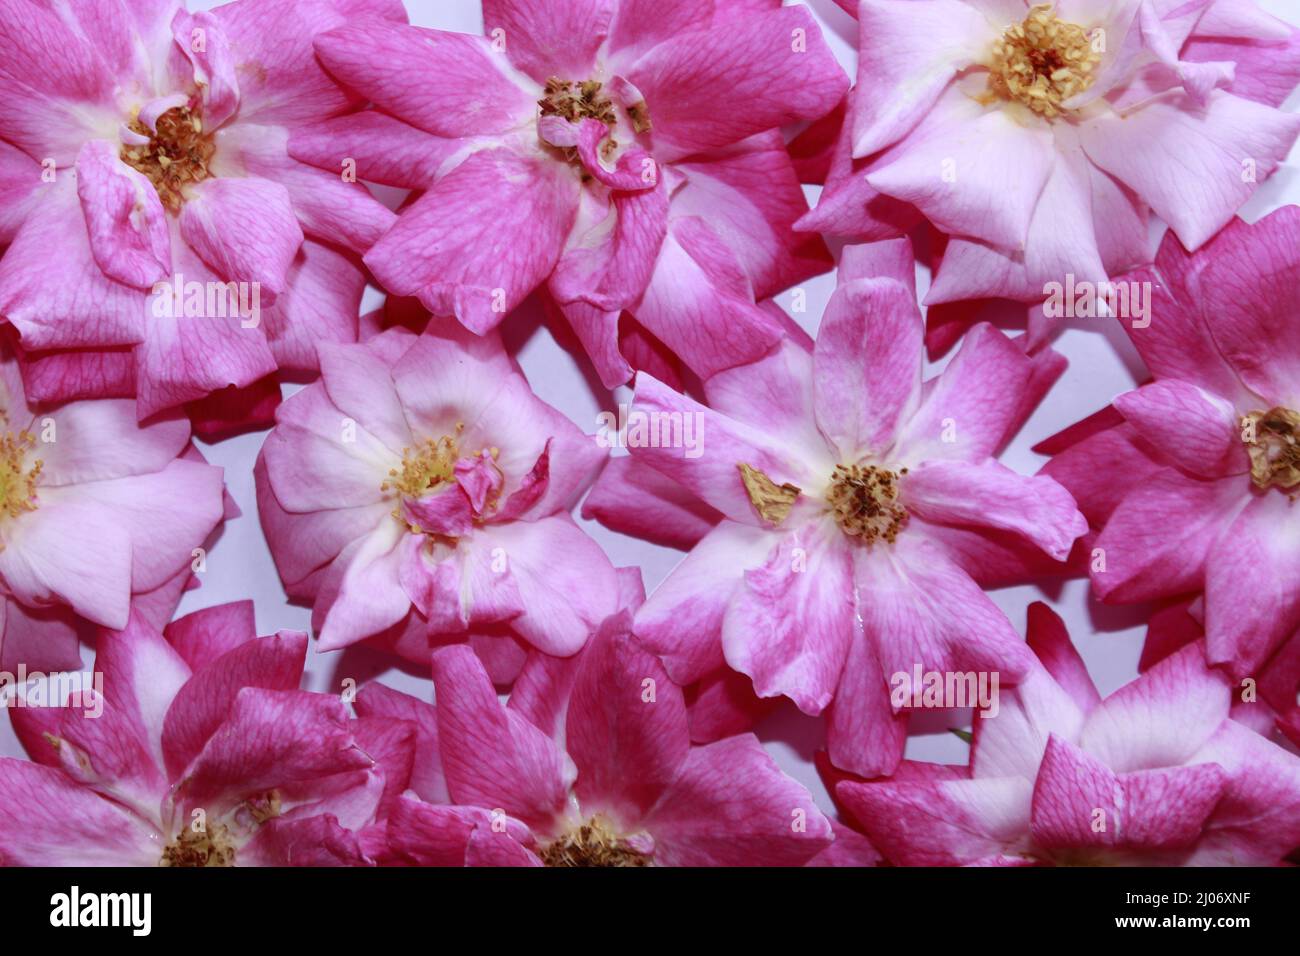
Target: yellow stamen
{"points": [[18, 480], [1042, 61]]}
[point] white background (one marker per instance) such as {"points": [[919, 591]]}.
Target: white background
{"points": [[1102, 364]]}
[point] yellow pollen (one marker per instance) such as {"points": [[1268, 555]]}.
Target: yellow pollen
{"points": [[1272, 440], [424, 467], [593, 843], [210, 847], [17, 479], [864, 502], [176, 156], [1042, 61], [772, 501]]}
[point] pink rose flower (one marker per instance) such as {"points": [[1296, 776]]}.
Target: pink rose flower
{"points": [[419, 492], [626, 153], [1156, 774], [203, 753], [143, 155], [97, 512], [861, 510], [589, 764], [1194, 490], [1039, 136]]}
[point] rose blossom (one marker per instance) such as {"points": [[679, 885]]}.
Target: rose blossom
{"points": [[1038, 136], [1157, 774], [623, 152], [205, 754], [143, 152], [1194, 489], [97, 512], [589, 764], [419, 492], [861, 506]]}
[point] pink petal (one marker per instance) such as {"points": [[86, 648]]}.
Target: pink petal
{"points": [[1205, 146], [65, 301], [1245, 624], [868, 365], [1198, 431], [45, 817], [550, 38], [1162, 718], [125, 222], [390, 63], [790, 624], [752, 61], [493, 757], [731, 806], [482, 239], [681, 620], [245, 229], [628, 739], [916, 51], [991, 495], [1157, 540], [633, 498], [203, 703]]}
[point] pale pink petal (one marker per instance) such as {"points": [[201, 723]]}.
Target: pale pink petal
{"points": [[244, 229]]}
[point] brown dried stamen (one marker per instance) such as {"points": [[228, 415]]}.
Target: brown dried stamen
{"points": [[576, 101], [209, 847], [864, 502], [176, 156], [1042, 61], [17, 479], [772, 501], [591, 844], [1275, 448]]}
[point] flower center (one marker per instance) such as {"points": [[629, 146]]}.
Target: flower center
{"points": [[864, 501], [210, 847], [176, 156], [425, 466], [576, 100], [591, 844], [1042, 61], [17, 480], [1272, 440]]}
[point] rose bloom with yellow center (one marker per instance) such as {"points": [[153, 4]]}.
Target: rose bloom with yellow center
{"points": [[856, 511], [1039, 137]]}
